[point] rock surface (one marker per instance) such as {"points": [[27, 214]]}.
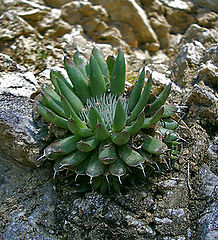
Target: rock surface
{"points": [[27, 202], [18, 135], [208, 221], [177, 204]]}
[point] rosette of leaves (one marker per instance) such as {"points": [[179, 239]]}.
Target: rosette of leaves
{"points": [[110, 134]]}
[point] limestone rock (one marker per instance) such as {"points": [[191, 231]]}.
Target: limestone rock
{"points": [[89, 10], [112, 36], [172, 215], [24, 4], [16, 27], [56, 3], [127, 33], [60, 28], [95, 27], [94, 21], [161, 27], [130, 12], [209, 75], [211, 54], [213, 154], [190, 52], [75, 11], [208, 223], [18, 134], [207, 19], [208, 4], [16, 81], [179, 20], [201, 34], [42, 20], [179, 4], [209, 181], [203, 104]]}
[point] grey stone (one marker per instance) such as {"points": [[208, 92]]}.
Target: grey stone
{"points": [[211, 54], [17, 26], [203, 103], [171, 215], [18, 84], [209, 181], [208, 70], [209, 4], [208, 223], [208, 74], [201, 34], [190, 52], [27, 202], [15, 79], [18, 135], [178, 4], [213, 154]]}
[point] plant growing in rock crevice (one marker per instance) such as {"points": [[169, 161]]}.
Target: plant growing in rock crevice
{"points": [[110, 133]]}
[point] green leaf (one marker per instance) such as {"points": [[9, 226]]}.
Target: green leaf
{"points": [[99, 57], [142, 100], [73, 159], [53, 104], [54, 75], [101, 133], [118, 168], [121, 138], [80, 62], [136, 92], [137, 125], [110, 64], [95, 168], [119, 117], [153, 145], [150, 122], [70, 112], [78, 79], [97, 82], [131, 157], [88, 144], [94, 118], [159, 101], [107, 153], [75, 129], [67, 92], [117, 85]]}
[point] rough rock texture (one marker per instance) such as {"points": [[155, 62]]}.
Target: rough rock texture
{"points": [[179, 20], [208, 4], [208, 221], [130, 12], [27, 202], [203, 102], [18, 134], [107, 216], [213, 154], [56, 3], [17, 27], [176, 204]]}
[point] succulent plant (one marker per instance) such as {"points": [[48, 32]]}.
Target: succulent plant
{"points": [[110, 132]]}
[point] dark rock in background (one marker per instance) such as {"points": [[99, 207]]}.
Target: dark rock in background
{"points": [[27, 202]]}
